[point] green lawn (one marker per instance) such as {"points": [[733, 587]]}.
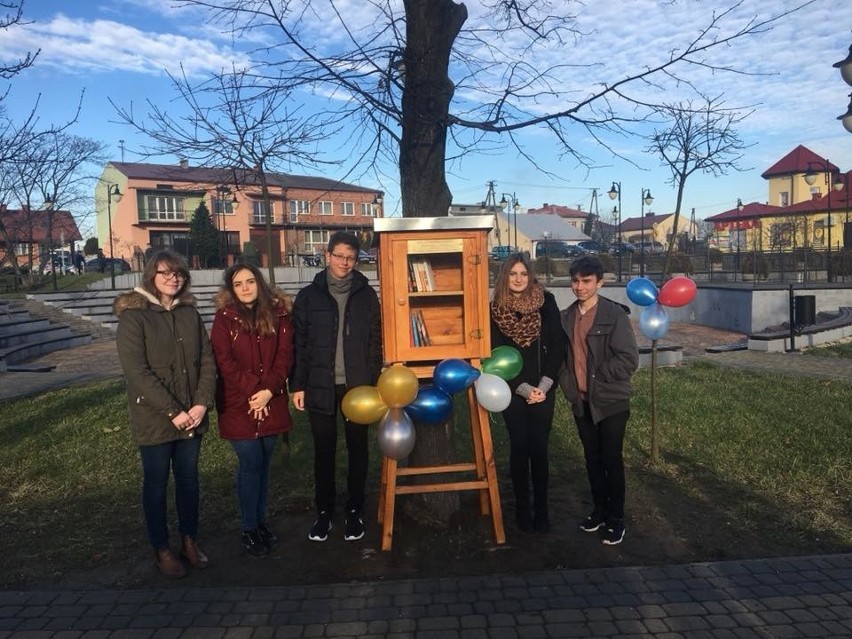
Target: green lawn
{"points": [[841, 350], [752, 445]]}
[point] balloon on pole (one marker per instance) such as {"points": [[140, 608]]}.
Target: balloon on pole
{"points": [[396, 434], [678, 291], [641, 291], [654, 322]]}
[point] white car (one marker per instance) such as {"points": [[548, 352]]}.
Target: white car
{"points": [[63, 265]]}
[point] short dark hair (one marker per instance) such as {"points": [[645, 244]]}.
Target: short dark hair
{"points": [[342, 237], [587, 265]]}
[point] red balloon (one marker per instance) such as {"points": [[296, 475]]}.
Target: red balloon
{"points": [[678, 291]]}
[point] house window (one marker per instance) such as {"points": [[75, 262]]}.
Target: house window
{"points": [[299, 207], [223, 206], [258, 212], [784, 198], [347, 208], [368, 209], [325, 208], [21, 249], [316, 241], [165, 208]]}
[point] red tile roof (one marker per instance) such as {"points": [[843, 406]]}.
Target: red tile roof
{"points": [[17, 225], [636, 223], [750, 210], [799, 160], [558, 209], [197, 174]]}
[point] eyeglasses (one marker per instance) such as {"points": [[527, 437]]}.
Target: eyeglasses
{"points": [[169, 275], [346, 259]]}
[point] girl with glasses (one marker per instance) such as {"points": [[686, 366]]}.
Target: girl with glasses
{"points": [[171, 382]]}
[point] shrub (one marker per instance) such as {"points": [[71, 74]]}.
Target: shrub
{"points": [[755, 263], [608, 262], [681, 263], [714, 255]]}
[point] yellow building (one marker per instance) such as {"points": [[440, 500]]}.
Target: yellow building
{"points": [[808, 207]]}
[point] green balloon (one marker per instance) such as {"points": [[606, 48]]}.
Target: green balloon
{"points": [[505, 362]]}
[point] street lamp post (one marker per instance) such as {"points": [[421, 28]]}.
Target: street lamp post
{"points": [[504, 204], [615, 192], [112, 192], [739, 231], [647, 198], [831, 184], [223, 191], [845, 67], [546, 236], [48, 206]]}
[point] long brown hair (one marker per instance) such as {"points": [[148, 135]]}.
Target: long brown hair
{"points": [[501, 284], [262, 316], [172, 261]]}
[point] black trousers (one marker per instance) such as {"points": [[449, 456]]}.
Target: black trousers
{"points": [[529, 431], [603, 444], [324, 430]]}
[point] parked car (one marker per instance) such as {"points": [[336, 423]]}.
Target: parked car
{"points": [[94, 265], [366, 257], [556, 249], [590, 246], [624, 248], [650, 247], [500, 253], [62, 264]]}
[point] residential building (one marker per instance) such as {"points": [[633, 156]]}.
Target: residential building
{"points": [[798, 214], [29, 235], [158, 201], [656, 228]]}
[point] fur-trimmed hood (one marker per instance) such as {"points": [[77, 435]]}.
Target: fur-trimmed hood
{"points": [[139, 298]]}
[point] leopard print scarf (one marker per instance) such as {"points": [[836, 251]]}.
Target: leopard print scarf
{"points": [[520, 319]]}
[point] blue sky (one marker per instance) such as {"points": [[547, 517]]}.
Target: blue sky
{"points": [[118, 49]]}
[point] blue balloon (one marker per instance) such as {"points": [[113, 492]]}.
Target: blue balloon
{"points": [[432, 405], [654, 322], [454, 375], [642, 291]]}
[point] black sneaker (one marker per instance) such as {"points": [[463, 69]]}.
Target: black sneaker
{"points": [[253, 543], [613, 532], [541, 523], [354, 526], [319, 531], [592, 523], [269, 538]]}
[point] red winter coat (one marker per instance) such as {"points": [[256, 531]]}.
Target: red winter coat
{"points": [[248, 363]]}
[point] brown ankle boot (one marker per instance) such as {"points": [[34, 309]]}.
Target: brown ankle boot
{"points": [[169, 563], [193, 554]]}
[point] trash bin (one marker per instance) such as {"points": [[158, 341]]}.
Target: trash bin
{"points": [[805, 306]]}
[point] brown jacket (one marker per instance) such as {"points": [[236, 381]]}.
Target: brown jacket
{"points": [[167, 362]]}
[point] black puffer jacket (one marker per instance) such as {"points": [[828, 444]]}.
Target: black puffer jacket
{"points": [[315, 319]]}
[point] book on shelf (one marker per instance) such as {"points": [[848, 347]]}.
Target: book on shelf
{"points": [[415, 329], [417, 274], [421, 324], [430, 275]]}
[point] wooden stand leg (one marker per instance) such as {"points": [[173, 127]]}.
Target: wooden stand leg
{"points": [[478, 453], [491, 476], [386, 515]]}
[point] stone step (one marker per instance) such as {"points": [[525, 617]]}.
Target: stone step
{"points": [[33, 332]]}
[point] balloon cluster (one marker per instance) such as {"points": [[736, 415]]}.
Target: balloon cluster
{"points": [[398, 399], [654, 321]]}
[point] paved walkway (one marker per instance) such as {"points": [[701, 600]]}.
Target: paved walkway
{"points": [[779, 598], [760, 599]]}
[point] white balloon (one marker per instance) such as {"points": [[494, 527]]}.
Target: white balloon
{"points": [[493, 393], [396, 434]]}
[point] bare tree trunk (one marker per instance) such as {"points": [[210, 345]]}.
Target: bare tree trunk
{"points": [[432, 27]]}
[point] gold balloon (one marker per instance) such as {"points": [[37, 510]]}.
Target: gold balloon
{"points": [[363, 405], [398, 386]]}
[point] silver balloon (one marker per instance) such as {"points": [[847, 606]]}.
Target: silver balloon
{"points": [[493, 393], [396, 434]]}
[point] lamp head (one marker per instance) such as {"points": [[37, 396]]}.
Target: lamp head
{"points": [[648, 197], [613, 192], [845, 67], [846, 118], [114, 193], [503, 202], [740, 206]]}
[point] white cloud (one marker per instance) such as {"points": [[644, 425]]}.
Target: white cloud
{"points": [[77, 45]]}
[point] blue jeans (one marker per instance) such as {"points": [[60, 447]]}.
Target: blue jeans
{"points": [[181, 458], [254, 457]]}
